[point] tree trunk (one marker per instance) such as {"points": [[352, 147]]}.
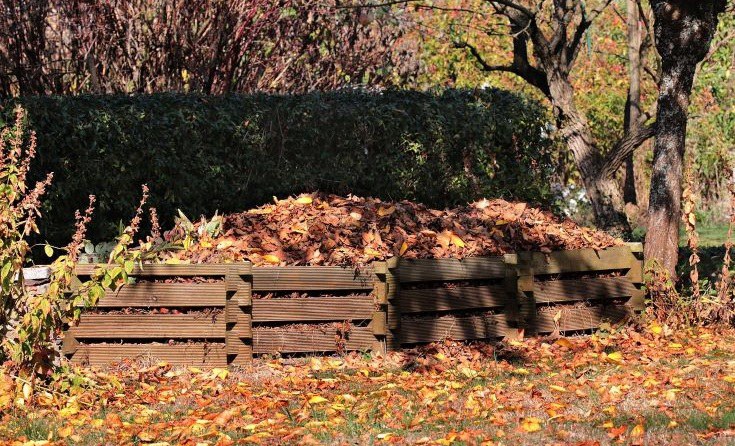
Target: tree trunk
{"points": [[633, 103], [684, 30], [603, 191]]}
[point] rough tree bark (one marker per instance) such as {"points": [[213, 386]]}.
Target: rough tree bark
{"points": [[684, 30], [633, 102], [554, 36]]}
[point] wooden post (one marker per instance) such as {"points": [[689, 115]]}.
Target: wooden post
{"points": [[386, 290], [524, 292], [511, 307], [635, 274], [238, 310]]}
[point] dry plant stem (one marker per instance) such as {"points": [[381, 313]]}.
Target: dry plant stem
{"points": [[689, 218]]}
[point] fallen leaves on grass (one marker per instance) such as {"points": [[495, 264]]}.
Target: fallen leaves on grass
{"points": [[657, 390]]}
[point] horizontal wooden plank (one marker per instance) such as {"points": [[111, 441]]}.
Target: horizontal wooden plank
{"points": [[193, 354], [581, 260], [583, 318], [148, 294], [429, 270], [311, 278], [149, 326], [451, 299], [457, 328], [197, 269], [313, 309], [583, 289], [292, 340]]}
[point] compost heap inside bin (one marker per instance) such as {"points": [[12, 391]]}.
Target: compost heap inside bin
{"points": [[321, 229]]}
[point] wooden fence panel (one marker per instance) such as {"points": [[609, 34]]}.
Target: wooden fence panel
{"points": [[387, 304]]}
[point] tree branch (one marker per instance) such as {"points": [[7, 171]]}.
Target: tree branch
{"points": [[481, 60], [624, 147]]}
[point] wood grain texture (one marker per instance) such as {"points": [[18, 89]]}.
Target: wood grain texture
{"points": [[165, 295], [149, 326], [291, 340], [313, 309], [311, 278], [442, 270], [583, 289], [582, 318], [199, 269], [457, 328], [193, 354], [582, 260], [452, 299]]}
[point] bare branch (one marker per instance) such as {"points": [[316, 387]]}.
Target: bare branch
{"points": [[481, 60], [624, 147]]}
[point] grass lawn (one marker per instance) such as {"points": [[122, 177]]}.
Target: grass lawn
{"points": [[645, 387], [710, 235]]}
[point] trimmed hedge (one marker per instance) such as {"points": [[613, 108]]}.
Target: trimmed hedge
{"points": [[228, 153]]}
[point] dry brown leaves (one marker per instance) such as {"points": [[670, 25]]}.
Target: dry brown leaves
{"points": [[321, 229]]}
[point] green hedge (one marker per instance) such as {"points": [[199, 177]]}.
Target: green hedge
{"points": [[228, 153]]}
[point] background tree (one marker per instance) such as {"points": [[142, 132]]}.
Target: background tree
{"points": [[684, 31], [208, 46], [546, 41]]}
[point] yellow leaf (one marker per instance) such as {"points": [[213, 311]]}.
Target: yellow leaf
{"points": [[372, 252], [224, 244], [317, 399], [615, 358], [729, 378], [27, 391], [675, 346], [304, 200], [531, 424], [65, 431], [386, 211], [270, 258], [404, 248], [564, 342], [637, 431], [655, 328], [456, 241], [220, 373], [558, 388]]}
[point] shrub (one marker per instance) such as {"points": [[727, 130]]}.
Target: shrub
{"points": [[227, 153]]}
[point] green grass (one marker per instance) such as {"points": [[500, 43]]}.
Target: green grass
{"points": [[710, 235]]}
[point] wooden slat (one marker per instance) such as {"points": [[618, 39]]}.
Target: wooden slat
{"points": [[458, 328], [452, 299], [200, 269], [140, 326], [583, 289], [582, 260], [291, 340], [194, 354], [472, 268], [149, 294], [313, 309], [584, 318], [311, 278]]}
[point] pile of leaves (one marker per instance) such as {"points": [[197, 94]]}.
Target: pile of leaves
{"points": [[321, 229]]}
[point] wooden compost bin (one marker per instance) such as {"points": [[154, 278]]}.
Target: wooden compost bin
{"points": [[237, 310]]}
